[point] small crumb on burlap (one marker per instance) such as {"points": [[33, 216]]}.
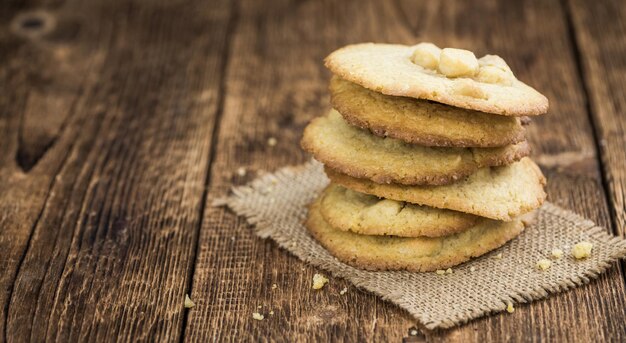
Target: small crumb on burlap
{"points": [[556, 254], [544, 264], [582, 250]]}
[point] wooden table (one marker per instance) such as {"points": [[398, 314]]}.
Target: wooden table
{"points": [[121, 121]]}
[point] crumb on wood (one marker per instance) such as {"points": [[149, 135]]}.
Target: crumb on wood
{"points": [[272, 141], [509, 307], [188, 302], [319, 281], [344, 291], [257, 316]]}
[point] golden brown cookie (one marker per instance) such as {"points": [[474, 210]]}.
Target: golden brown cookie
{"points": [[501, 193], [413, 254], [420, 121], [393, 70], [360, 154], [365, 214]]}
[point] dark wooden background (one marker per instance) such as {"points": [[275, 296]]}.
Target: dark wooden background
{"points": [[120, 121]]}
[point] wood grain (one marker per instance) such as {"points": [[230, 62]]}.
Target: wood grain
{"points": [[599, 30], [275, 84], [109, 119]]}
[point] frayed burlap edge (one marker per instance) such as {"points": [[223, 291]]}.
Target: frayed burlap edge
{"points": [[266, 227]]}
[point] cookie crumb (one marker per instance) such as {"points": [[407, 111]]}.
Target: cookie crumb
{"points": [[259, 306], [472, 269], [343, 291], [319, 281], [272, 141], [544, 264], [413, 332], [188, 302], [498, 256], [440, 271], [271, 313], [241, 171], [509, 307], [449, 271], [257, 316], [582, 250], [557, 253], [274, 286]]}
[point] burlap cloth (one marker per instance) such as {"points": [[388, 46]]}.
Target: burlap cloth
{"points": [[276, 205]]}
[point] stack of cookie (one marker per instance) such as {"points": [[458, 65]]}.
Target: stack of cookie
{"points": [[426, 152]]}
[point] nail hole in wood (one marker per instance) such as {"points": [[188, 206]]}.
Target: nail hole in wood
{"points": [[33, 24]]}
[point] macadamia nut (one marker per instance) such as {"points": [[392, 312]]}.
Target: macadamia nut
{"points": [[457, 62], [426, 55]]}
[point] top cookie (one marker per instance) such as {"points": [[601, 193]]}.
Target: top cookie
{"points": [[450, 76]]}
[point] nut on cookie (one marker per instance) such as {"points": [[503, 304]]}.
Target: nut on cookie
{"points": [[426, 55], [457, 62]]}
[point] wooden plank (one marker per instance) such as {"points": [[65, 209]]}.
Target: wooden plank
{"points": [[275, 83], [599, 30], [103, 192]]}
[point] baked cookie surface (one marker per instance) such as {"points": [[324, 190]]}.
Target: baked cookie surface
{"points": [[365, 214], [420, 121], [390, 69], [501, 193], [413, 254], [358, 153]]}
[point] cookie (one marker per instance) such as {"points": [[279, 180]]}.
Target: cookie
{"points": [[365, 214], [416, 254], [360, 154], [501, 193], [394, 70], [420, 121]]}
